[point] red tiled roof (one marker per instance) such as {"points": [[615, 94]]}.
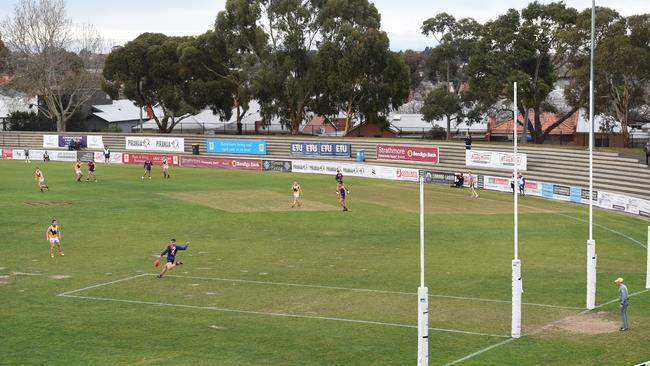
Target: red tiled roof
{"points": [[568, 127]]}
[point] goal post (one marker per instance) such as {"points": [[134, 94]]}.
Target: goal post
{"points": [[647, 267], [423, 294]]}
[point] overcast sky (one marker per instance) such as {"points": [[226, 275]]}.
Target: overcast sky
{"points": [[123, 20]]}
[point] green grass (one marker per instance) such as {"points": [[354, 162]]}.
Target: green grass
{"points": [[253, 256]]}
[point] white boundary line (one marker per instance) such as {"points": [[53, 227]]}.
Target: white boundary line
{"points": [[102, 284], [559, 213], [238, 311], [366, 290], [472, 355]]}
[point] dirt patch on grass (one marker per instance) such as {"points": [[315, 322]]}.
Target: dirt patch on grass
{"points": [[249, 201], [589, 324], [5, 280], [48, 203]]}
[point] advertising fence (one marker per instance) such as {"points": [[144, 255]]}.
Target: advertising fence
{"points": [[276, 166], [63, 141], [322, 149], [164, 144], [244, 147], [220, 163], [419, 154], [495, 160], [355, 170], [116, 157], [156, 159], [433, 177]]}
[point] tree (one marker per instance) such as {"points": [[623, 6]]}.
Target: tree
{"points": [[415, 61], [621, 63], [5, 59], [148, 71], [28, 121], [364, 78], [49, 63], [441, 102], [520, 48], [228, 58], [457, 43]]}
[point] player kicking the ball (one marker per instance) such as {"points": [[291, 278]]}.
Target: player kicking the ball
{"points": [[170, 251]]}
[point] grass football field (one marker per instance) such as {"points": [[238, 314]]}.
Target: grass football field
{"points": [[265, 284]]}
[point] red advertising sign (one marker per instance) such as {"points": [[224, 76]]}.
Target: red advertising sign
{"points": [[156, 159], [7, 154], [220, 163], [408, 153]]}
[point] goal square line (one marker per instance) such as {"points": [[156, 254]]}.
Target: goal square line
{"points": [[78, 293]]}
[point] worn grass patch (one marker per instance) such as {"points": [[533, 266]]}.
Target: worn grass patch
{"points": [[259, 200]]}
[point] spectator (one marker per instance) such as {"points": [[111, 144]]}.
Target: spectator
{"points": [[647, 151], [468, 141], [107, 155], [623, 297], [521, 182]]}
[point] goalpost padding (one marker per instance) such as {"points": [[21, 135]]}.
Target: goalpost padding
{"points": [[591, 274], [515, 331], [423, 326], [647, 275]]}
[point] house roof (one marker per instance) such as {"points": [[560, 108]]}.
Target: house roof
{"points": [[207, 120], [415, 123], [119, 111], [547, 119]]}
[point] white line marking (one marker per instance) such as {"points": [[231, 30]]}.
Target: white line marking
{"points": [[365, 290], [574, 218], [604, 228], [102, 284], [279, 315], [472, 355]]}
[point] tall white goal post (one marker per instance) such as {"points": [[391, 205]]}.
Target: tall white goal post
{"points": [[423, 294], [591, 243], [515, 331], [647, 267]]}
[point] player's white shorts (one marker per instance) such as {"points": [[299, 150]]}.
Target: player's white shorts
{"points": [[54, 241]]}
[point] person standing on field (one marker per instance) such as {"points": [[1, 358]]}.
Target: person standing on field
{"points": [[40, 178], [147, 169], [623, 297], [53, 235], [107, 155], [77, 171], [297, 193], [472, 184], [165, 167], [27, 156], [91, 171]]}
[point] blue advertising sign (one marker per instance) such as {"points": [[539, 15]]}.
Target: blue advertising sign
{"points": [[244, 147], [321, 149], [576, 194], [547, 190]]}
